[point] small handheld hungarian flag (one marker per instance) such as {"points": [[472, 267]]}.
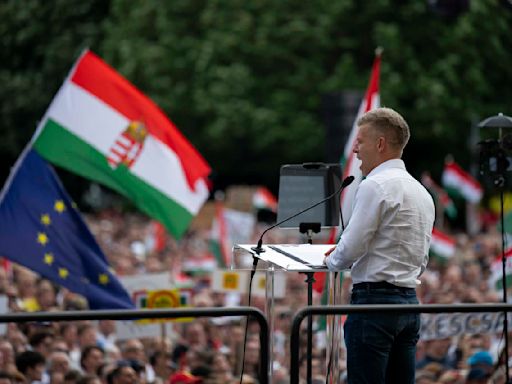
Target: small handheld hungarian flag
{"points": [[219, 240], [264, 199], [496, 278], [440, 195], [442, 245], [103, 128], [461, 183]]}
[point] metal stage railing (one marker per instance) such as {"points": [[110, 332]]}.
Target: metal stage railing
{"points": [[157, 314], [348, 309]]}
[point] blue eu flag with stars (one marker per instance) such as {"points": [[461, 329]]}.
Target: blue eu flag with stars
{"points": [[41, 229]]}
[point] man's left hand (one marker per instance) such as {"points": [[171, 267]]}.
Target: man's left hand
{"points": [[327, 254]]}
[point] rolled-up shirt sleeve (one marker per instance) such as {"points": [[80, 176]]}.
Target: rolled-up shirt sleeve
{"points": [[364, 222]]}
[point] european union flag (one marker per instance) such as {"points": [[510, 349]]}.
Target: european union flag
{"points": [[41, 229]]}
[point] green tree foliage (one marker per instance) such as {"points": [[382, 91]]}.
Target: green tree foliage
{"points": [[243, 80], [39, 41]]}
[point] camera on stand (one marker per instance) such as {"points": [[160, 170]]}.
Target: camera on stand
{"points": [[496, 154], [494, 161]]}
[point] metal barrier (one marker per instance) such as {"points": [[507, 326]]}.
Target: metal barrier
{"points": [[157, 314], [348, 309]]}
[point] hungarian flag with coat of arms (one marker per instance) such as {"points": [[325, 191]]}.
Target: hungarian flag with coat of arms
{"points": [[103, 128]]}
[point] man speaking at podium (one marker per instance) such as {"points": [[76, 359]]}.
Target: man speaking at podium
{"points": [[386, 246]]}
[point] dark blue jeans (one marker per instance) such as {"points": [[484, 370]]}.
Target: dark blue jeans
{"points": [[381, 347]]}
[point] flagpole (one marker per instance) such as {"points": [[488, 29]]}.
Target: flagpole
{"points": [[42, 122], [29, 145], [440, 216], [163, 334], [14, 170]]}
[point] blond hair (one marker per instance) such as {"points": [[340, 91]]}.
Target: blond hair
{"points": [[390, 123]]}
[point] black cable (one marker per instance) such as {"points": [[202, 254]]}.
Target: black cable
{"points": [[253, 272], [342, 223]]}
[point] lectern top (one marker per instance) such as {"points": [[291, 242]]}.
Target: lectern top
{"points": [[292, 257]]}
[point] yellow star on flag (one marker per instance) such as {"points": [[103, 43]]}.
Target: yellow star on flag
{"points": [[48, 258], [59, 206], [103, 278], [42, 238], [63, 273], [45, 219]]}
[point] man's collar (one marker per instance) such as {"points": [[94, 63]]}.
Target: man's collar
{"points": [[388, 164]]}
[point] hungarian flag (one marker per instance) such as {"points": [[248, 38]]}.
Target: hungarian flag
{"points": [[157, 237], [103, 128], [220, 244], [442, 245], [229, 227], [264, 199], [496, 278], [461, 183], [440, 196], [349, 160], [351, 163], [447, 204]]}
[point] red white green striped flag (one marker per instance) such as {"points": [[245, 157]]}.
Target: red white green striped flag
{"points": [[350, 164], [447, 204], [103, 128], [461, 183], [442, 245], [157, 238], [349, 160], [496, 278], [229, 227], [220, 244], [202, 264], [264, 199], [440, 196]]}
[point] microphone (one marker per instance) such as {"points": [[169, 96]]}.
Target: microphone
{"points": [[348, 180]]}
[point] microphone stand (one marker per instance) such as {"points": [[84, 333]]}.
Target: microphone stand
{"points": [[259, 249], [308, 229], [305, 228]]}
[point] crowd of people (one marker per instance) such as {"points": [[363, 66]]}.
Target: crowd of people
{"points": [[205, 350]]}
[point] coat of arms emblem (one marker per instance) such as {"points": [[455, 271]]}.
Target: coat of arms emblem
{"points": [[128, 146]]}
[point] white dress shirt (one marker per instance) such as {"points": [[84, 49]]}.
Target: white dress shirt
{"points": [[388, 236]]}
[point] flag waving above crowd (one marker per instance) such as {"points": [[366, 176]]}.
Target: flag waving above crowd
{"points": [[351, 163], [496, 278], [440, 196], [264, 199], [442, 245], [103, 128], [349, 160], [461, 183], [44, 232]]}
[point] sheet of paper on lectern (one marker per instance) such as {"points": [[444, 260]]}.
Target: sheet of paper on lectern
{"points": [[293, 257]]}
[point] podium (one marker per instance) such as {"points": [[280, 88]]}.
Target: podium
{"points": [[304, 258]]}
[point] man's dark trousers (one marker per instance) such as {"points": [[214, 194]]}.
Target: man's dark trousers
{"points": [[381, 347]]}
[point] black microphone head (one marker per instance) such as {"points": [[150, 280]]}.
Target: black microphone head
{"points": [[348, 180]]}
